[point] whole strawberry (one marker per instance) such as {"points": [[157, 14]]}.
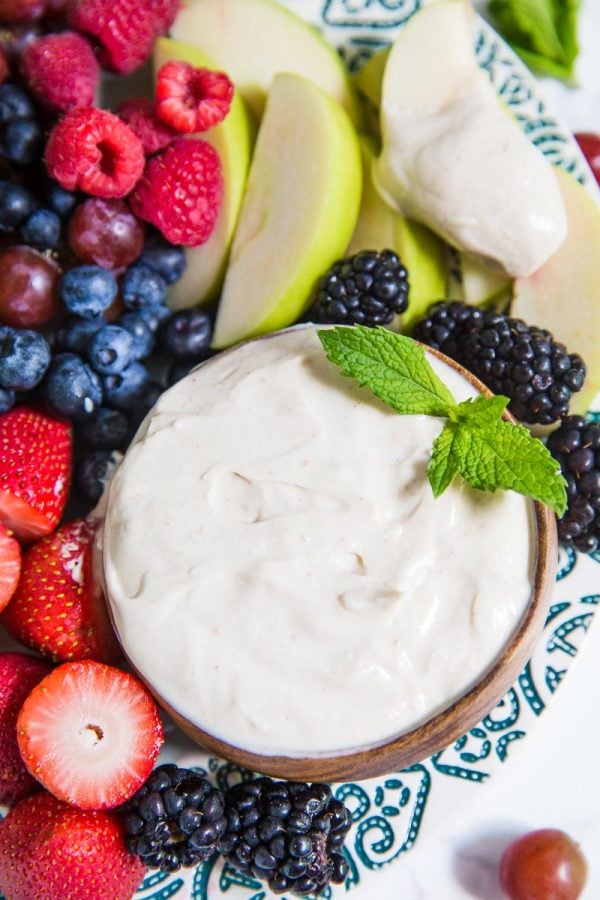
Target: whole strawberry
{"points": [[50, 851], [35, 471], [19, 674], [58, 608]]}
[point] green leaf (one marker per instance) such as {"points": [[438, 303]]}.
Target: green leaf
{"points": [[544, 66], [443, 465], [482, 409], [543, 32], [503, 455], [393, 366]]}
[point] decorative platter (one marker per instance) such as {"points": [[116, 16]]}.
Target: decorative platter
{"points": [[392, 813]]}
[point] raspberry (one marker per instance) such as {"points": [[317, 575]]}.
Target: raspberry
{"points": [[180, 192], [140, 115], [126, 29], [61, 70], [190, 99], [94, 151], [21, 10]]}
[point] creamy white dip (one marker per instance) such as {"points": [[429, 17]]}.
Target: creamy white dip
{"points": [[279, 570], [455, 158]]}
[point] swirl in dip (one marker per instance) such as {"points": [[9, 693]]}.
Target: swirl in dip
{"points": [[278, 569]]}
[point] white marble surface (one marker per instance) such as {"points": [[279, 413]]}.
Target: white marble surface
{"points": [[553, 778]]}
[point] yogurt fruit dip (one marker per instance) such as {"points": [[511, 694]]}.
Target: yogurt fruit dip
{"points": [[455, 158], [278, 569]]}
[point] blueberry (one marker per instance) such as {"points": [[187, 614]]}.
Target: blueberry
{"points": [[164, 258], [140, 331], [146, 401], [60, 201], [14, 104], [72, 387], [88, 291], [22, 142], [16, 205], [24, 358], [154, 316], [42, 230], [179, 369], [187, 334], [94, 471], [75, 334], [7, 399], [111, 350], [126, 390], [142, 287], [107, 430]]}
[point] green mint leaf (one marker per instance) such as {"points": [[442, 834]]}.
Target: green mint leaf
{"points": [[544, 66], [443, 465], [543, 32], [482, 409], [503, 455], [393, 366]]}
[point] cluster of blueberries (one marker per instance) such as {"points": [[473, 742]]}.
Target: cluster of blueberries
{"points": [[91, 371], [21, 135]]}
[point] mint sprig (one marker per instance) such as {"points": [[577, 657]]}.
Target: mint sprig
{"points": [[476, 442], [543, 33]]}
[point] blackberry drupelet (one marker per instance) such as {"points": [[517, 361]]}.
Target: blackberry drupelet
{"points": [[366, 289], [576, 446], [174, 820], [287, 834], [521, 361]]}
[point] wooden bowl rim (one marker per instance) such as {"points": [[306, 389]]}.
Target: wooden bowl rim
{"points": [[442, 728]]}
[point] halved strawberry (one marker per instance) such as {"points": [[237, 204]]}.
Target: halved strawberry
{"points": [[35, 471], [19, 674], [50, 851], [58, 608], [10, 566], [90, 734]]}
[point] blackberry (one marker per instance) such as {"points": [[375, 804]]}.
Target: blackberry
{"points": [[521, 361], [174, 820], [287, 834], [366, 289], [576, 446]]}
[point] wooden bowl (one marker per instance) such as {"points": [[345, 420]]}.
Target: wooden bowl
{"points": [[441, 729]]}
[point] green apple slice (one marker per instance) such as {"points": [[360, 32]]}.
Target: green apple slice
{"points": [[298, 214], [564, 294], [468, 279], [369, 78], [375, 228], [232, 139], [252, 40], [481, 284], [421, 251]]}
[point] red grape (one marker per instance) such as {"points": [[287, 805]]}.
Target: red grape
{"points": [[105, 232], [590, 144], [28, 287], [543, 865]]}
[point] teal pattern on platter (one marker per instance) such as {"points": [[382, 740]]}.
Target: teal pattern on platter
{"points": [[391, 813]]}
